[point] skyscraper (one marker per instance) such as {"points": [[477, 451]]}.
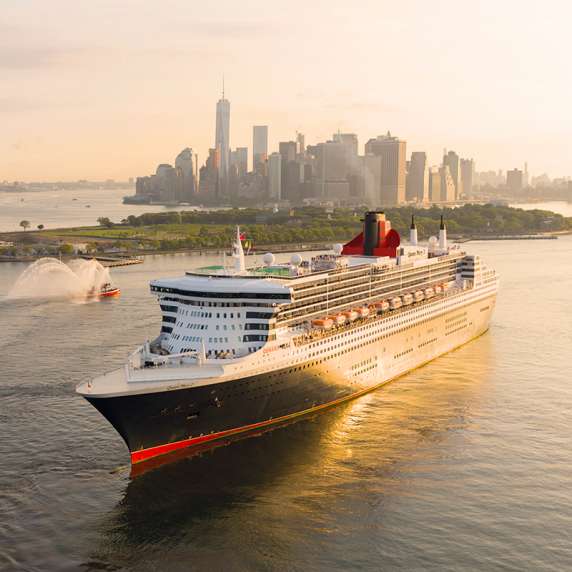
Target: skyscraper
{"points": [[222, 136], [184, 162], [239, 158], [417, 187], [331, 176], [290, 186], [393, 167], [259, 145], [451, 159], [467, 176], [448, 191], [275, 176], [514, 180], [434, 176], [300, 143]]}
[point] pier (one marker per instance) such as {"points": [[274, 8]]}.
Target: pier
{"points": [[114, 261]]}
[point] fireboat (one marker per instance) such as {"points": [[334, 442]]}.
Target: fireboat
{"points": [[105, 291]]}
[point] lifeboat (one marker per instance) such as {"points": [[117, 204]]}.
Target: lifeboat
{"points": [[322, 323], [382, 306], [445, 286], [419, 296], [429, 293], [438, 289], [350, 315], [395, 303], [407, 299], [340, 319], [363, 312]]}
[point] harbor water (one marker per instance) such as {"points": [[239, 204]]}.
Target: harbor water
{"points": [[463, 464]]}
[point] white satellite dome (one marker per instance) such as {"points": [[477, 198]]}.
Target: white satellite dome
{"points": [[338, 248], [268, 259], [296, 260]]}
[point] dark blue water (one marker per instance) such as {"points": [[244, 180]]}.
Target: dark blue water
{"points": [[464, 464]]}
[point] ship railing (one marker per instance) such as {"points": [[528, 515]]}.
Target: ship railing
{"points": [[177, 360], [311, 335]]}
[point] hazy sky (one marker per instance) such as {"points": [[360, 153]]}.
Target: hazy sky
{"points": [[110, 88]]}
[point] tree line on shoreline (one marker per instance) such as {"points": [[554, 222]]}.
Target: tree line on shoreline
{"points": [[312, 224], [180, 230]]}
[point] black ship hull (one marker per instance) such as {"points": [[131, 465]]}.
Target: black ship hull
{"points": [[157, 423]]}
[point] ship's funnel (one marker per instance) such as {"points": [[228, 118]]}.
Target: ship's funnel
{"points": [[376, 239], [371, 231]]}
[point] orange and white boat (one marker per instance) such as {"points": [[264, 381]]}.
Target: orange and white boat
{"points": [[363, 312], [340, 319], [395, 303], [351, 315], [418, 296], [382, 306], [106, 291], [322, 323]]}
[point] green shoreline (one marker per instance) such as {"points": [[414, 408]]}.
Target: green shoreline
{"points": [[282, 231]]}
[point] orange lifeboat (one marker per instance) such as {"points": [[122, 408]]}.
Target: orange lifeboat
{"points": [[322, 323], [429, 293], [382, 306], [363, 312], [438, 289], [350, 315], [340, 319], [407, 299], [419, 296], [395, 303]]}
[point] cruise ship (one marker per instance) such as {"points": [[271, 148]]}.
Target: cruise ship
{"points": [[244, 348]]}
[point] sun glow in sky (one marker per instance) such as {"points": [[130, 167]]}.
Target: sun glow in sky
{"points": [[109, 89]]}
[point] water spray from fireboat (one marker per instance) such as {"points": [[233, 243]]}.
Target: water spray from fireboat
{"points": [[51, 278]]}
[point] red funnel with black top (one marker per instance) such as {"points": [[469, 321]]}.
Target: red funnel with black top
{"points": [[376, 239]]}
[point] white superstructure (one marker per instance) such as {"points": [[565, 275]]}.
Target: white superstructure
{"points": [[366, 318]]}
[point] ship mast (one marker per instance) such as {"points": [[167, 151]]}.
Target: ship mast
{"points": [[238, 254]]}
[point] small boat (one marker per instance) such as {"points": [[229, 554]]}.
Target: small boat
{"points": [[445, 286], [438, 289], [106, 291], [382, 306], [395, 303], [419, 296], [322, 323], [407, 299]]}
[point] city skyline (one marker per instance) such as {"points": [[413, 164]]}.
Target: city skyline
{"points": [[79, 105]]}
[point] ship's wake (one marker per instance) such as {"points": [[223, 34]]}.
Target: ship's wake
{"points": [[52, 278]]}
